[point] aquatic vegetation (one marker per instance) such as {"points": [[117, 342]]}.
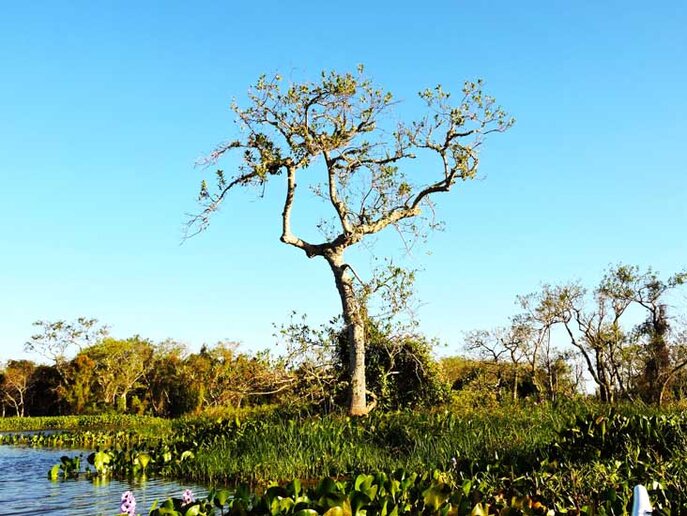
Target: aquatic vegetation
{"points": [[143, 425], [383, 493], [68, 467], [566, 458], [187, 505]]}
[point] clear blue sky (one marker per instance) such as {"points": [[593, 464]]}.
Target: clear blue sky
{"points": [[105, 106]]}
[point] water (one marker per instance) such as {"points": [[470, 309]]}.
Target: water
{"points": [[26, 489]]}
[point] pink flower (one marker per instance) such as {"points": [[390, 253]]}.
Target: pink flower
{"points": [[187, 497], [128, 505]]}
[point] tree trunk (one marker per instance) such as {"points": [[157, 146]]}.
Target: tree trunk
{"points": [[120, 402], [662, 393], [515, 384], [606, 394], [355, 330]]}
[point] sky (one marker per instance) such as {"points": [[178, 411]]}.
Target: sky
{"points": [[105, 107]]}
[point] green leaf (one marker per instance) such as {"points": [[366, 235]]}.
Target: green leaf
{"points": [[194, 510], [326, 486], [54, 472], [435, 496], [296, 486], [467, 486], [363, 482], [358, 500], [142, 458], [221, 497], [480, 510]]}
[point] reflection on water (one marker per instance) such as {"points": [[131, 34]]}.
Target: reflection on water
{"points": [[26, 489]]}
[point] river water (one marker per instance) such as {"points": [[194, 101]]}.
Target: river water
{"points": [[26, 490]]}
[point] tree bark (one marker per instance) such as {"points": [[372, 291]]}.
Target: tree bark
{"points": [[515, 384], [355, 330]]}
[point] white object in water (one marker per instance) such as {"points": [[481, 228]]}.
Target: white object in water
{"points": [[641, 505]]}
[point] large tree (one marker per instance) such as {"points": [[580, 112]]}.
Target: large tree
{"points": [[337, 131]]}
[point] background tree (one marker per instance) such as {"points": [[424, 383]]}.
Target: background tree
{"points": [[119, 367], [333, 128], [593, 329], [553, 370], [623, 363], [169, 389], [80, 393], [662, 356], [675, 385], [15, 383], [221, 376], [43, 395], [57, 339], [311, 357], [510, 344]]}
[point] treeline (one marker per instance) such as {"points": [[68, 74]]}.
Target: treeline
{"points": [[138, 376], [624, 340]]}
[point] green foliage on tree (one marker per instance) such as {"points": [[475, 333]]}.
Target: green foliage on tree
{"points": [[400, 370]]}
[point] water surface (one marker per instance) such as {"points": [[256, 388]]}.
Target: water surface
{"points": [[26, 490]]}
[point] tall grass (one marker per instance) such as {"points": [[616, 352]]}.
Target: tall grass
{"points": [[276, 449]]}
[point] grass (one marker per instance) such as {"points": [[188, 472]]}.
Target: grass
{"points": [[274, 449], [263, 445]]}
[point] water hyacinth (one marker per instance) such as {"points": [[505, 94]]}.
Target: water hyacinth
{"points": [[128, 505], [187, 497]]}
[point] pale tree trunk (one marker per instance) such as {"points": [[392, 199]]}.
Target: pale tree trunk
{"points": [[515, 384], [355, 331], [16, 407]]}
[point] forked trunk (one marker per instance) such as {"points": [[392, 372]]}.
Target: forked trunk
{"points": [[355, 331]]}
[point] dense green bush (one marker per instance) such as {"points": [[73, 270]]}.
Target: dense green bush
{"points": [[399, 370]]}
